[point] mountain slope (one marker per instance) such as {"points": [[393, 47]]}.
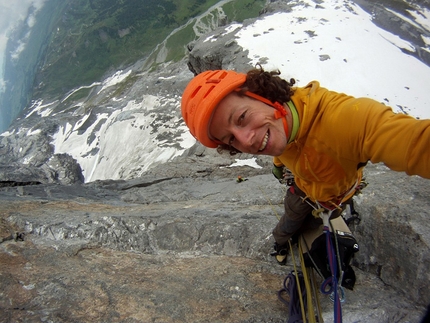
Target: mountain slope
{"points": [[137, 109]]}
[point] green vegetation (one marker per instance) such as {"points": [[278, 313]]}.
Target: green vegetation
{"points": [[92, 37], [240, 10], [237, 10], [82, 93]]}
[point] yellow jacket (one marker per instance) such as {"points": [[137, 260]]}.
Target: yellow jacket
{"points": [[338, 134]]}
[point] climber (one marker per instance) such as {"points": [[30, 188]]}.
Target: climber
{"points": [[240, 179], [324, 138]]}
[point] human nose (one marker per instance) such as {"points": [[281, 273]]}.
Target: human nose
{"points": [[244, 137]]}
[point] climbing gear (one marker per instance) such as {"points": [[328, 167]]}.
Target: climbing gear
{"points": [[292, 294], [288, 177], [280, 254], [335, 203], [205, 91], [278, 172], [312, 298], [332, 247], [336, 254], [315, 251], [332, 281], [351, 216], [313, 302], [306, 298], [283, 175], [331, 260]]}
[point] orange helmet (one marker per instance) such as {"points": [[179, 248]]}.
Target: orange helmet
{"points": [[200, 98], [205, 91]]}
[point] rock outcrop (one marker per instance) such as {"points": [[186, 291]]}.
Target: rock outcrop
{"points": [[187, 243]]}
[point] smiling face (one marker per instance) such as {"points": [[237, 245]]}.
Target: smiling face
{"points": [[248, 125]]}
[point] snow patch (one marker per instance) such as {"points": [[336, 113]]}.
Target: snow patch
{"points": [[252, 162], [228, 30], [344, 51], [122, 144], [41, 109], [118, 77]]}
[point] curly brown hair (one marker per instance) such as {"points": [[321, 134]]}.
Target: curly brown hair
{"points": [[268, 85]]}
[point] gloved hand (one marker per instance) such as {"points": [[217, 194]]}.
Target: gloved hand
{"points": [[281, 253], [278, 172]]}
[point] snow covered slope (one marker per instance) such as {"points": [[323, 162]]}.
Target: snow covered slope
{"points": [[337, 44]]}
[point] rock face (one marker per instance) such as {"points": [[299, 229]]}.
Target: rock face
{"points": [[187, 243], [395, 231], [27, 158], [146, 108]]}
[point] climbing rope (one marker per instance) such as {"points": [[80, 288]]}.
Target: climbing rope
{"points": [[316, 296], [311, 310], [310, 285], [331, 286], [299, 287]]}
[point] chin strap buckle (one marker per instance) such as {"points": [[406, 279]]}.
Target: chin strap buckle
{"points": [[280, 110]]}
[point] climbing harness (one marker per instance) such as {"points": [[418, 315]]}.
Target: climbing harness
{"points": [[303, 286], [332, 285], [303, 294]]}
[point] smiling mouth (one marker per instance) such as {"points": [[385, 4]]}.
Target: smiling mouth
{"points": [[264, 143]]}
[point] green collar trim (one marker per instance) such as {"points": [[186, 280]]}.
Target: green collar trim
{"points": [[296, 121]]}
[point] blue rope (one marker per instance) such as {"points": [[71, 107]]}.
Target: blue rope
{"points": [[331, 282], [290, 288]]}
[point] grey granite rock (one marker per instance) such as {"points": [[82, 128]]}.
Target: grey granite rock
{"points": [[195, 247]]}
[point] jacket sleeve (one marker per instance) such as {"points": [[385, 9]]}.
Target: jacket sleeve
{"points": [[399, 141], [277, 162]]}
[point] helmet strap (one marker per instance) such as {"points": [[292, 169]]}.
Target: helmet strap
{"points": [[280, 111]]}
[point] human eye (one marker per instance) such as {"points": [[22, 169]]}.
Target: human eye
{"points": [[241, 118], [231, 140]]}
